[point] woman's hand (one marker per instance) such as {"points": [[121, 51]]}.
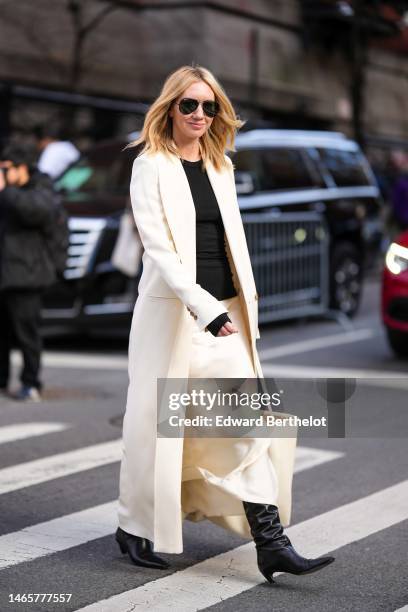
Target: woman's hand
{"points": [[227, 329]]}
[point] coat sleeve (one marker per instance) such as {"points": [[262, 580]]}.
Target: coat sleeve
{"points": [[151, 223]]}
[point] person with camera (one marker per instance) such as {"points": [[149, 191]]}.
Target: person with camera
{"points": [[27, 267]]}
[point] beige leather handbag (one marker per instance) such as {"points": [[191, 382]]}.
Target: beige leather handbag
{"points": [[127, 252]]}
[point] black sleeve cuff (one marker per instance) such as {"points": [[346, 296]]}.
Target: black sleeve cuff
{"points": [[215, 325]]}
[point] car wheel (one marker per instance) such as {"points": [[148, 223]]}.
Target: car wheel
{"points": [[398, 341], [345, 278]]}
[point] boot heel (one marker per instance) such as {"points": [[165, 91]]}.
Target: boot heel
{"points": [[139, 550], [268, 577], [122, 546]]}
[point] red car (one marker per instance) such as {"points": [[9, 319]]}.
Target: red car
{"points": [[395, 295]]}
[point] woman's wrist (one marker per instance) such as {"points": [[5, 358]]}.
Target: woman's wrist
{"points": [[215, 325]]}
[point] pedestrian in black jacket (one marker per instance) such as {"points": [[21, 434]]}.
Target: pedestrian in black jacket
{"points": [[27, 215]]}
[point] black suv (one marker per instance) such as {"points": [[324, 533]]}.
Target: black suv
{"points": [[290, 181]]}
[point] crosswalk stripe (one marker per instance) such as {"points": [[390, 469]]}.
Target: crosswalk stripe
{"points": [[201, 585], [307, 458], [20, 431], [63, 464], [312, 344], [297, 371], [77, 361], [56, 466], [404, 609], [58, 359], [118, 362], [58, 534], [96, 522]]}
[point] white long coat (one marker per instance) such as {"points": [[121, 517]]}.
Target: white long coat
{"points": [[169, 304]]}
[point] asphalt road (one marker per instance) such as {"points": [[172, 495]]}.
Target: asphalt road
{"points": [[59, 468]]}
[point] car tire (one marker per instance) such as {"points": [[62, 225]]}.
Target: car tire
{"points": [[346, 278], [398, 341]]}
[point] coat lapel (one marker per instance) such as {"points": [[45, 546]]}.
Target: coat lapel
{"points": [[179, 208], [237, 248], [180, 213]]}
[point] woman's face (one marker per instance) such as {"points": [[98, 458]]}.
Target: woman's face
{"points": [[197, 123]]}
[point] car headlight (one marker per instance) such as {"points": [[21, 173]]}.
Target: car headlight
{"points": [[396, 258]]}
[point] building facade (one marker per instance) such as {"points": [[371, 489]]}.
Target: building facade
{"points": [[108, 60]]}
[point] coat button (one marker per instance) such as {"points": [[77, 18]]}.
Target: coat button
{"points": [[192, 313], [256, 296]]}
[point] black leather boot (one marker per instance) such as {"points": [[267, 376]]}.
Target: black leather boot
{"points": [[275, 552], [140, 550]]}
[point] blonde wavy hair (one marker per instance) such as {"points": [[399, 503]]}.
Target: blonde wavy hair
{"points": [[157, 135]]}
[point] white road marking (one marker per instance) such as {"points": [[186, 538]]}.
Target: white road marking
{"points": [[229, 574], [297, 371], [20, 431], [58, 534], [77, 361], [56, 466], [312, 344], [307, 457], [404, 609], [80, 527], [119, 362], [63, 464]]}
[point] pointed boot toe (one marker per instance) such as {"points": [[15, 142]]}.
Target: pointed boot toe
{"points": [[313, 565], [288, 560], [140, 550], [275, 552]]}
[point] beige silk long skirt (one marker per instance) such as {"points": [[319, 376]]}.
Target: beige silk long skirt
{"points": [[247, 473]]}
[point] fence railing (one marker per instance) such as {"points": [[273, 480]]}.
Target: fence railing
{"points": [[290, 260]]}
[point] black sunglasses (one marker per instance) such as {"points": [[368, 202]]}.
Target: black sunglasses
{"points": [[189, 105]]}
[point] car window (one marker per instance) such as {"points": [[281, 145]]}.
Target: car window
{"points": [[285, 169], [93, 173], [346, 167], [277, 168], [249, 161]]}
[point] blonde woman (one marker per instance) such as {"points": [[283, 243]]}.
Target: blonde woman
{"points": [[196, 316]]}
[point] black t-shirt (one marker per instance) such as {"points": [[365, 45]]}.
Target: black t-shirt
{"points": [[213, 269]]}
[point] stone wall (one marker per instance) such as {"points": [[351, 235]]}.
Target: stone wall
{"points": [[130, 53]]}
